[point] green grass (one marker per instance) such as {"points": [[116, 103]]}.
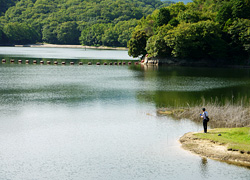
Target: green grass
{"points": [[235, 138]]}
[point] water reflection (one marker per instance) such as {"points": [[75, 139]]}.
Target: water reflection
{"points": [[149, 67], [175, 86], [204, 167]]}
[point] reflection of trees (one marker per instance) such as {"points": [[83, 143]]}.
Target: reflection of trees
{"points": [[175, 86], [165, 99], [183, 99]]}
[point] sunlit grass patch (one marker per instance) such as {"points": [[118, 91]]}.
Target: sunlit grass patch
{"points": [[235, 138]]}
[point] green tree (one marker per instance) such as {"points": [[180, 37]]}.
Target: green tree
{"points": [[5, 4], [197, 40], [92, 36], [224, 13], [110, 36], [174, 22], [125, 29], [20, 33], [1, 35], [239, 33], [68, 33], [157, 46], [204, 29], [147, 25], [241, 8], [189, 16], [163, 17], [49, 32], [137, 44], [119, 34], [43, 15], [176, 8]]}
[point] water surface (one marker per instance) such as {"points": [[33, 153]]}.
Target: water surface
{"points": [[100, 122], [63, 53]]}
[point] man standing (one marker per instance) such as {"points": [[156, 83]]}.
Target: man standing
{"points": [[204, 115]]}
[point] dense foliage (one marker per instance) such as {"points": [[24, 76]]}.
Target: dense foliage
{"points": [[5, 4], [95, 22], [204, 29]]}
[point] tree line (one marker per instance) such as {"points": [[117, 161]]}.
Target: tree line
{"points": [[94, 23], [204, 29], [5, 5]]}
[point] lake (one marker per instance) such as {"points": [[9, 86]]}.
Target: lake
{"points": [[100, 122]]}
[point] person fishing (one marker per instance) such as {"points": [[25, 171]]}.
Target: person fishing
{"points": [[205, 118]]}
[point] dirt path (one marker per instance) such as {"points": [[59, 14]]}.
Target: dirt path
{"points": [[213, 150]]}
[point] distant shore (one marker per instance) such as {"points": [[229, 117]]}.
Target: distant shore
{"points": [[70, 46], [171, 61]]}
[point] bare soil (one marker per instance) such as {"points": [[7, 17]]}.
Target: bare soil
{"points": [[213, 150]]}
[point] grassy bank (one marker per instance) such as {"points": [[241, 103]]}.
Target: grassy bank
{"points": [[232, 146], [224, 115], [231, 120], [236, 139]]}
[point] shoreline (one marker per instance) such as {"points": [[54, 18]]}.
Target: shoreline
{"points": [[152, 61], [171, 61], [213, 150], [68, 46]]}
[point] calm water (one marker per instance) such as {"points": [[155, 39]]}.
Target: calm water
{"points": [[63, 53], [100, 122]]}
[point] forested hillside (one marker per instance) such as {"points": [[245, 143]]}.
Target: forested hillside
{"points": [[176, 1], [95, 22], [204, 29], [5, 4]]}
